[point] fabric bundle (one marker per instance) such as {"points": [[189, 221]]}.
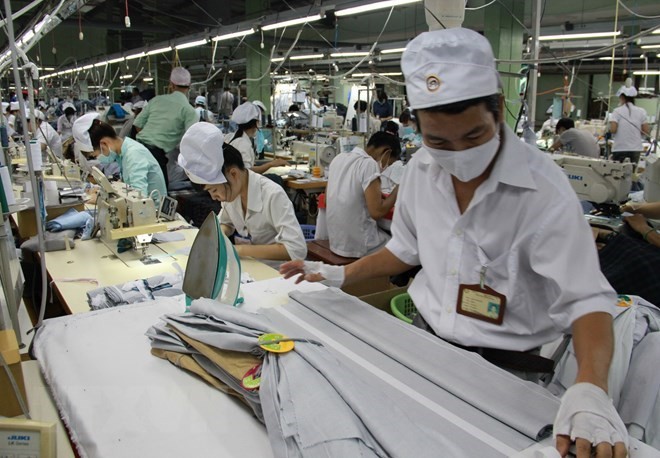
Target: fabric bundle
{"points": [[167, 285], [355, 385], [71, 219]]}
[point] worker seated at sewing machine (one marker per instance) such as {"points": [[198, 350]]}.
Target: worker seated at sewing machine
{"points": [[137, 166], [572, 140], [354, 197], [255, 210], [630, 257]]}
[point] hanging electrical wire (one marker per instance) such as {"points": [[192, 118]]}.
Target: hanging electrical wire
{"points": [[81, 36], [636, 14], [127, 18], [479, 7]]}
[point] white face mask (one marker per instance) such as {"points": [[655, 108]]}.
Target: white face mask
{"points": [[469, 163]]}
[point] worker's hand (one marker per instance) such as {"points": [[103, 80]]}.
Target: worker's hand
{"points": [[280, 163], [312, 271], [587, 417], [629, 207], [638, 223]]}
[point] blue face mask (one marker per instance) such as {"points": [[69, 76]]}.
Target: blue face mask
{"points": [[103, 159], [408, 130]]}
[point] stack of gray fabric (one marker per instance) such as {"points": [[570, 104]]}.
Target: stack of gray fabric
{"points": [[373, 386], [141, 290]]}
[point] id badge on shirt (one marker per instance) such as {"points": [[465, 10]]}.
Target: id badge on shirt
{"points": [[481, 302]]}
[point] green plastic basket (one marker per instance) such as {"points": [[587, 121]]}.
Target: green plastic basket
{"points": [[403, 307]]}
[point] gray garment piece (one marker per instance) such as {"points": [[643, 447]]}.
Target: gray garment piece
{"points": [[508, 398], [425, 404], [638, 402], [579, 142], [150, 288], [54, 241]]}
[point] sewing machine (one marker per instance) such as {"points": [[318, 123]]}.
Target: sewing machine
{"points": [[651, 178], [602, 182], [124, 213]]}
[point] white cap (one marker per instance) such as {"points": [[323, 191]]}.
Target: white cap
{"points": [[80, 130], [180, 77], [13, 106], [37, 113], [139, 105], [68, 105], [627, 91], [201, 154], [5, 105], [200, 100], [245, 112], [447, 66], [260, 104]]}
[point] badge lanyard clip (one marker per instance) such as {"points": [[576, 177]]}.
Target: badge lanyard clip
{"points": [[482, 277]]}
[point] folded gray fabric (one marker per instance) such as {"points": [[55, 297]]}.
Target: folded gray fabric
{"points": [[507, 399], [168, 285], [316, 402], [52, 242]]}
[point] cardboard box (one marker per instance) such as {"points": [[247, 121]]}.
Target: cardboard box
{"points": [[27, 222], [9, 405], [381, 300]]}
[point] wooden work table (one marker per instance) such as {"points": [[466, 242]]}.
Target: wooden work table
{"points": [[73, 271]]}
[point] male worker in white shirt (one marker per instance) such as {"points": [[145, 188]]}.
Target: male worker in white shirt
{"points": [[497, 230]]}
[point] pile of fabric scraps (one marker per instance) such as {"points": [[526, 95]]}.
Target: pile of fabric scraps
{"points": [[167, 285]]}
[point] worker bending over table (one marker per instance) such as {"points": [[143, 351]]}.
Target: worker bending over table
{"points": [[255, 210], [508, 261], [247, 116], [354, 197], [137, 166], [572, 140]]}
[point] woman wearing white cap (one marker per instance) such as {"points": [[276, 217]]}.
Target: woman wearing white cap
{"points": [[628, 125], [254, 209], [13, 109], [508, 263], [65, 122], [138, 168], [247, 116], [203, 114], [46, 135]]}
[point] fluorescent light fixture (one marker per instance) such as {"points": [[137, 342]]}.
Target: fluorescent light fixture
{"points": [[135, 56], [578, 36], [349, 54], [40, 25], [646, 72], [191, 44], [651, 46], [27, 37], [362, 75], [159, 51], [278, 59], [114, 61], [393, 51], [306, 56], [373, 7], [147, 79], [300, 20], [87, 67], [100, 64], [605, 58], [125, 77], [656, 32], [229, 36]]}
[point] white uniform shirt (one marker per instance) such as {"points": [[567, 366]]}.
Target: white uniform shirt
{"points": [[49, 136], [65, 126], [525, 224], [269, 218], [244, 145], [628, 136], [204, 114], [351, 230]]}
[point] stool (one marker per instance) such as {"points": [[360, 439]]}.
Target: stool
{"points": [[319, 250]]}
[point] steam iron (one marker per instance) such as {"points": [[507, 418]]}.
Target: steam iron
{"points": [[214, 268]]}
